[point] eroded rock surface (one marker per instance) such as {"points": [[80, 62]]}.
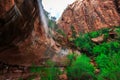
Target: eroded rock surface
{"points": [[22, 37], [89, 15]]}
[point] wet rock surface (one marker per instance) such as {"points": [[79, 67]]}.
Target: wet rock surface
{"points": [[22, 36]]}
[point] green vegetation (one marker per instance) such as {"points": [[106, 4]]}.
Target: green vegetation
{"points": [[61, 32], [117, 30], [51, 21], [84, 40], [97, 33], [84, 43], [106, 54], [107, 48], [80, 69], [50, 72], [103, 56], [109, 66]]}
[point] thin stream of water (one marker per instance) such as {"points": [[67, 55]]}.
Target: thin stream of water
{"points": [[43, 17], [47, 30]]}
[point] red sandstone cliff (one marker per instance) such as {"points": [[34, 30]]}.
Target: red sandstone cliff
{"points": [[22, 38], [89, 15]]}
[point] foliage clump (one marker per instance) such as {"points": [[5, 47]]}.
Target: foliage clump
{"points": [[109, 66], [61, 32], [84, 43], [80, 69], [106, 53], [107, 48], [50, 72], [105, 56]]}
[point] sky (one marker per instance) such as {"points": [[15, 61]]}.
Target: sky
{"points": [[56, 7]]}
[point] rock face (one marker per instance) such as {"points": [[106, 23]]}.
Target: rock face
{"points": [[89, 15], [22, 38], [5, 6]]}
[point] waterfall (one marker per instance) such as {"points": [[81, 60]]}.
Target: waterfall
{"points": [[47, 30], [43, 17], [45, 24]]}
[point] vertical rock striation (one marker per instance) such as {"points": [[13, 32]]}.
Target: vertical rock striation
{"points": [[22, 38], [89, 15]]}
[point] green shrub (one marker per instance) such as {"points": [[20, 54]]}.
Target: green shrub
{"points": [[80, 69], [117, 30], [46, 73], [71, 57], [61, 32], [107, 48], [104, 31], [49, 73], [101, 60], [97, 33], [94, 34], [109, 66], [84, 43], [84, 40]]}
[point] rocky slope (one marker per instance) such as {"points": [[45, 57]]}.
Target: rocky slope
{"points": [[22, 37], [89, 15]]}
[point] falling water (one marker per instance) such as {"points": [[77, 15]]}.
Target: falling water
{"points": [[42, 17], [47, 30]]}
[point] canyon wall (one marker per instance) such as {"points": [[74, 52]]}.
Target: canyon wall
{"points": [[22, 37], [90, 15]]}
